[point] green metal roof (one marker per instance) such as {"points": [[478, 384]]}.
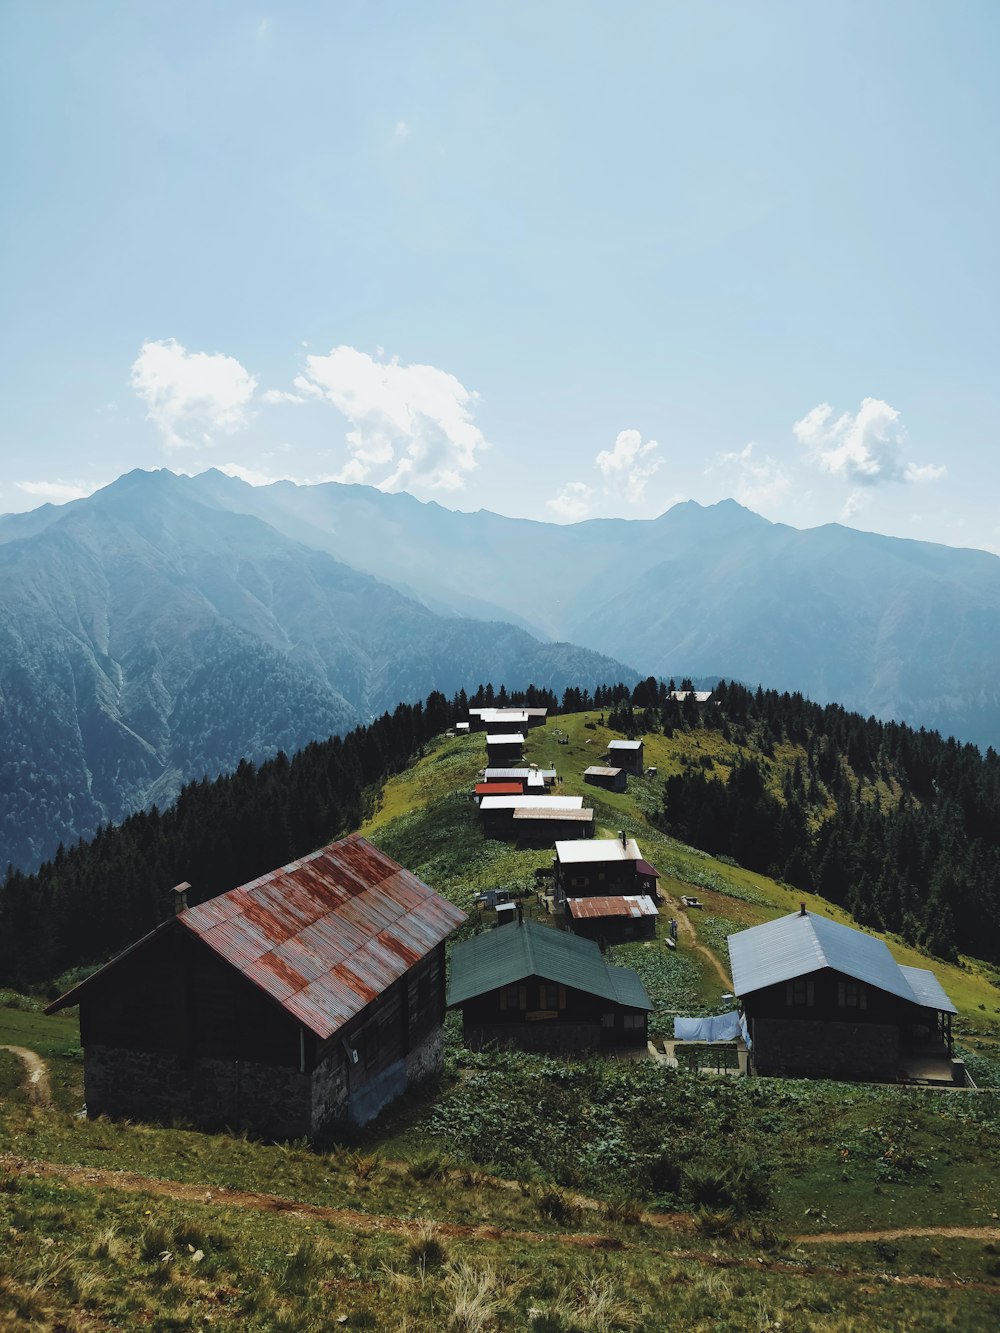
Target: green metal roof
{"points": [[511, 953]]}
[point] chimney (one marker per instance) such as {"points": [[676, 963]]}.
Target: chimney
{"points": [[802, 909], [180, 897], [621, 834]]}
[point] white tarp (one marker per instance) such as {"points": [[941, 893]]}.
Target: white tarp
{"points": [[723, 1027]]}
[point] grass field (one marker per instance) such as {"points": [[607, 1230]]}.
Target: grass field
{"points": [[519, 1192]]}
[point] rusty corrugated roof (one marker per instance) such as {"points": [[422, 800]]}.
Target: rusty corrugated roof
{"points": [[629, 905], [326, 934]]}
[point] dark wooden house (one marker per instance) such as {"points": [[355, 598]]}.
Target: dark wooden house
{"points": [[627, 755], [503, 750], [541, 826], [602, 868], [542, 989], [612, 779], [497, 812], [307, 999], [821, 999], [613, 920]]}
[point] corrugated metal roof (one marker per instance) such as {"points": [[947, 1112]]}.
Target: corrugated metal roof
{"points": [[793, 946], [499, 788], [538, 812], [511, 953], [927, 989], [627, 905], [501, 774], [597, 771], [624, 745], [531, 802], [515, 738], [601, 849]]}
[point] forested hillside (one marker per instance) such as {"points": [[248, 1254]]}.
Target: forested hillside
{"points": [[900, 827]]}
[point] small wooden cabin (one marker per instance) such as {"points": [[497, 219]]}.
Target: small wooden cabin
{"points": [[540, 826], [613, 920], [542, 989], [502, 750], [611, 779], [602, 868], [307, 999], [627, 755], [823, 1000]]}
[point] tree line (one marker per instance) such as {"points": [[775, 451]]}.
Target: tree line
{"points": [[898, 825], [97, 896]]}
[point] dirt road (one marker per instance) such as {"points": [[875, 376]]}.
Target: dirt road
{"points": [[36, 1079]]}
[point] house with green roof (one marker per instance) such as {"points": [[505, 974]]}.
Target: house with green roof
{"points": [[542, 989]]}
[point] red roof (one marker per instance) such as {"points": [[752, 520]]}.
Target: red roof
{"points": [[499, 788], [644, 868], [630, 905], [324, 935]]}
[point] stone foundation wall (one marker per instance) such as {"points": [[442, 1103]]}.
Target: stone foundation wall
{"points": [[546, 1038], [270, 1100], [827, 1050]]}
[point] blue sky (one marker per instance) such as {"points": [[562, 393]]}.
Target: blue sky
{"points": [[549, 259]]}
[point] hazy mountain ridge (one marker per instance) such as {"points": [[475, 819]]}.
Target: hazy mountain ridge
{"points": [[146, 639], [895, 627]]}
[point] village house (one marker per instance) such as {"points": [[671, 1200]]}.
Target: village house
{"points": [[821, 999], [500, 719], [498, 812], [605, 867], [541, 989], [612, 779], [503, 750], [541, 826], [498, 789], [534, 779], [613, 920], [626, 755], [303, 1001]]}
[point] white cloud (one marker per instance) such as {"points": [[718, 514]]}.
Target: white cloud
{"points": [[759, 481], [401, 132], [190, 395], [628, 466], [855, 503], [573, 502], [866, 449], [416, 421], [262, 476], [281, 396], [58, 492]]}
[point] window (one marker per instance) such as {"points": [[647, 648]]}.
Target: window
{"points": [[578, 881], [635, 1022], [851, 995], [548, 997], [800, 991], [607, 1020], [513, 997]]}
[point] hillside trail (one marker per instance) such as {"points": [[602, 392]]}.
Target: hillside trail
{"points": [[685, 927], [36, 1076]]}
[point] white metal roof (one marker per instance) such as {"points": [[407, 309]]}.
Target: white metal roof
{"points": [[597, 771], [533, 802], [700, 696], [793, 946], [503, 715], [515, 738], [553, 812], [512, 774], [624, 745], [927, 989], [601, 849]]}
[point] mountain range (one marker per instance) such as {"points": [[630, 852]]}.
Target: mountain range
{"points": [[149, 637], [168, 626]]}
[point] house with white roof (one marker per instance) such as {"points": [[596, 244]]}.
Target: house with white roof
{"points": [[626, 755], [603, 867]]}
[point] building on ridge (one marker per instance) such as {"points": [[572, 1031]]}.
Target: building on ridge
{"points": [[822, 999]]}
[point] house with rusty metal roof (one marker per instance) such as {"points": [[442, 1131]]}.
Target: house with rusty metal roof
{"points": [[542, 989], [823, 999], [613, 920], [305, 1000]]}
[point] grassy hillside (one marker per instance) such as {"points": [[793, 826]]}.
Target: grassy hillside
{"points": [[527, 1193]]}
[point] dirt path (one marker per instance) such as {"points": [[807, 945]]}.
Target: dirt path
{"points": [[897, 1233], [217, 1196], [685, 927], [36, 1080]]}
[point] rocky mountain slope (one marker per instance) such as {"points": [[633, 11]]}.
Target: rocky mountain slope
{"points": [[147, 638]]}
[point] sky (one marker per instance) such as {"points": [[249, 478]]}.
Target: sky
{"points": [[557, 260]]}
